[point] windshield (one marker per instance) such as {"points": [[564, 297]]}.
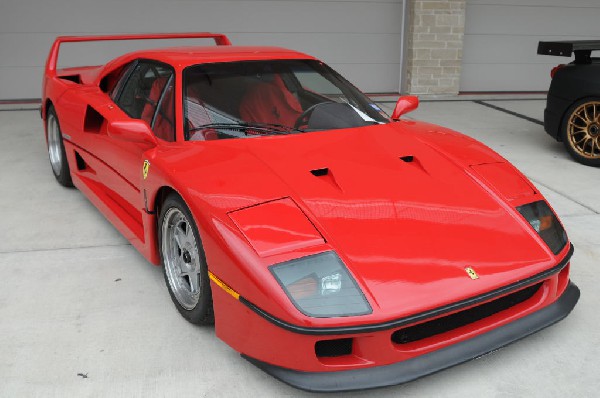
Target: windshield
{"points": [[250, 98]]}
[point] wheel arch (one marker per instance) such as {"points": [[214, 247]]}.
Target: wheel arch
{"points": [[159, 198], [44, 115], [153, 203], [45, 106]]}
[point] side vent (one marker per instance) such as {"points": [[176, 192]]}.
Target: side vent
{"points": [[72, 78], [80, 162], [407, 159], [82, 165], [93, 121]]}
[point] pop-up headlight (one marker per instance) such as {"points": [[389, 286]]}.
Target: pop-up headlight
{"points": [[320, 286], [543, 220]]}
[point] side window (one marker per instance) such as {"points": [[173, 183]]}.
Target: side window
{"points": [[143, 90], [112, 82]]}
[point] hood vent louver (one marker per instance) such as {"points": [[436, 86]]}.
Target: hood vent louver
{"points": [[324, 174], [414, 162], [320, 172]]}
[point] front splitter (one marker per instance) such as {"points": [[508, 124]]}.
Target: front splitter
{"points": [[402, 372]]}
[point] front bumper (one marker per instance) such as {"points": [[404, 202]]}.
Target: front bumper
{"points": [[411, 369]]}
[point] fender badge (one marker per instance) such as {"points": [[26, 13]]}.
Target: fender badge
{"points": [[471, 272], [145, 169]]}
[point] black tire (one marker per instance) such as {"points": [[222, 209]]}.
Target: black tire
{"points": [[175, 217], [580, 131], [56, 149]]}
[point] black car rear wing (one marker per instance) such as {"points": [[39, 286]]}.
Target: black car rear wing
{"points": [[582, 49]]}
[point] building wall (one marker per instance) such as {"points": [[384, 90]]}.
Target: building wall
{"points": [[501, 38], [434, 51]]}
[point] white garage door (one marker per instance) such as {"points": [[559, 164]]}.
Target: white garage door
{"points": [[359, 38], [501, 38]]}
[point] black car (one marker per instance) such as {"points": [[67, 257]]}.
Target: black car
{"points": [[572, 113]]}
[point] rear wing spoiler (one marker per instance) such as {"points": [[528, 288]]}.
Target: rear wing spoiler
{"points": [[220, 40], [582, 49]]}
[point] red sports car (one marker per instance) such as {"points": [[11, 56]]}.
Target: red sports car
{"points": [[333, 246]]}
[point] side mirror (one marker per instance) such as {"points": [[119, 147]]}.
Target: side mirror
{"points": [[135, 130], [405, 104]]}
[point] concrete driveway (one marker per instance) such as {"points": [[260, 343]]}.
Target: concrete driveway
{"points": [[83, 314]]}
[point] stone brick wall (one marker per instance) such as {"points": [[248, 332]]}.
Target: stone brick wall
{"points": [[434, 46]]}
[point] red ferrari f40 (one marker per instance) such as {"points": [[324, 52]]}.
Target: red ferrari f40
{"points": [[334, 246]]}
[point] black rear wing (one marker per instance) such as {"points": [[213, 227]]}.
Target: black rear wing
{"points": [[581, 48]]}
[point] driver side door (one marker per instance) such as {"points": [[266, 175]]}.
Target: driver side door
{"points": [[145, 92]]}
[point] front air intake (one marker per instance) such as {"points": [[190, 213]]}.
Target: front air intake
{"points": [[462, 318], [333, 348]]}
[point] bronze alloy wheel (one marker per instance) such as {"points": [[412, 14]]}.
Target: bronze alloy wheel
{"points": [[583, 132]]}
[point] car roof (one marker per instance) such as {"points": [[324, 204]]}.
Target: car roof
{"points": [[192, 55]]}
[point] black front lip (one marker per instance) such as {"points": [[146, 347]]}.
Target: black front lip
{"points": [[402, 372], [375, 327]]}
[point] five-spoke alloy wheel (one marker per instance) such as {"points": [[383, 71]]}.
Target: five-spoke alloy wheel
{"points": [[185, 269]]}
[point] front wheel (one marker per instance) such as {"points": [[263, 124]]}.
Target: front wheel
{"points": [[581, 131], [184, 262]]}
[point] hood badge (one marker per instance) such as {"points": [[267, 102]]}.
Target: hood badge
{"points": [[471, 272]]}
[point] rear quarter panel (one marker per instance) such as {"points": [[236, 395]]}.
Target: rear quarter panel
{"points": [[570, 84]]}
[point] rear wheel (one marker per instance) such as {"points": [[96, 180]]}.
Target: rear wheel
{"points": [[581, 131], [56, 150], [184, 261]]}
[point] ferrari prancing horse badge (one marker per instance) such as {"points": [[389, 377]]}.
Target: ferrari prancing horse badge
{"points": [[145, 169], [471, 272]]}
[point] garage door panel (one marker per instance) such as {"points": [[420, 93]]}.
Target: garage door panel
{"points": [[25, 48], [501, 39], [523, 20], [507, 77], [370, 78], [499, 49], [539, 3], [21, 82], [367, 33], [333, 47], [229, 16]]}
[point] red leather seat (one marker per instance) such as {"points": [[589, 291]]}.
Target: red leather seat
{"points": [[270, 102]]}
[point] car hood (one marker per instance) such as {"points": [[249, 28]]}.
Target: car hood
{"points": [[399, 203]]}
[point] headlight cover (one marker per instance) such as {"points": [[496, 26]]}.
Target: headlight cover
{"points": [[321, 287], [543, 220]]}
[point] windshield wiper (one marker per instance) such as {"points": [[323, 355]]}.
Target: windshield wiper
{"points": [[267, 128], [281, 127]]}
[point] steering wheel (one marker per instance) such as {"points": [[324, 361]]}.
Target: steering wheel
{"points": [[304, 117]]}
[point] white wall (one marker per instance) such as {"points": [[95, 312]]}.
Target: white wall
{"points": [[359, 38], [501, 37]]}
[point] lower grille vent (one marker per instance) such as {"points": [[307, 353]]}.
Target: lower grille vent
{"points": [[462, 318], [333, 348]]}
